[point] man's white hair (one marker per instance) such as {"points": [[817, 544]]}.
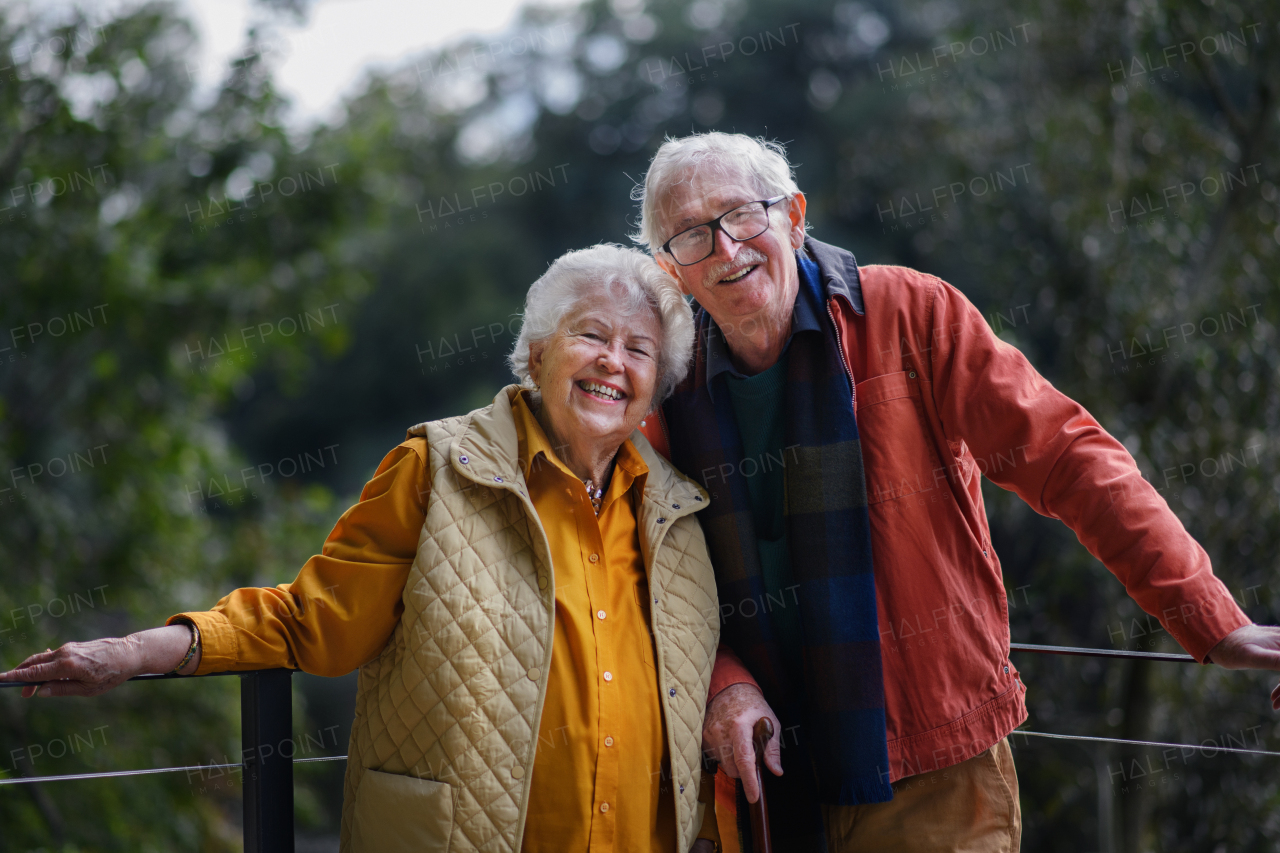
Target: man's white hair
{"points": [[760, 163], [632, 282]]}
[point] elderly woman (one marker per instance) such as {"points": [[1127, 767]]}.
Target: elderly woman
{"points": [[525, 591]]}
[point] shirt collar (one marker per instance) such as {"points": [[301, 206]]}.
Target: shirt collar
{"points": [[805, 317], [538, 458]]}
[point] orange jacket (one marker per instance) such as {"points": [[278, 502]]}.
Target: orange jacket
{"points": [[941, 400]]}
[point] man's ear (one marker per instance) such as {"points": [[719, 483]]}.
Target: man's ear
{"points": [[795, 210], [670, 268]]}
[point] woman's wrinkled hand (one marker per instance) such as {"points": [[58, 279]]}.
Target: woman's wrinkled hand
{"points": [[81, 669]]}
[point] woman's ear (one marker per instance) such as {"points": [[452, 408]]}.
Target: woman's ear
{"points": [[536, 351]]}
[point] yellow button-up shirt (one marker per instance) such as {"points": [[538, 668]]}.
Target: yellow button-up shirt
{"points": [[601, 780]]}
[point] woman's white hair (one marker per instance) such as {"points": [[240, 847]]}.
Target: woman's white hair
{"points": [[761, 163], [633, 283]]}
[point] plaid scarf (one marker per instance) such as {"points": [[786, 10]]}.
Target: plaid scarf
{"points": [[830, 704]]}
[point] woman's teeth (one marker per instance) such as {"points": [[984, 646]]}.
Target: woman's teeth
{"points": [[739, 274], [600, 390]]}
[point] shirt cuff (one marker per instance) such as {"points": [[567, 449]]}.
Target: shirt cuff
{"points": [[727, 671], [219, 649], [1198, 626]]}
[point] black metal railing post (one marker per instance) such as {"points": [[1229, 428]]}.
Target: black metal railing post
{"points": [[266, 722]]}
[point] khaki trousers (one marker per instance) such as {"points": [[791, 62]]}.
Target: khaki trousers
{"points": [[971, 807]]}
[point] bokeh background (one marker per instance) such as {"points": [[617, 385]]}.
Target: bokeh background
{"points": [[215, 321]]}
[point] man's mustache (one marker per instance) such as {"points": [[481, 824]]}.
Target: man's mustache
{"points": [[745, 257]]}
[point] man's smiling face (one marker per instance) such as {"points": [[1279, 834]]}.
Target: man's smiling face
{"points": [[756, 279]]}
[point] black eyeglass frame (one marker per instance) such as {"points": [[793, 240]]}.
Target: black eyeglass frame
{"points": [[716, 226]]}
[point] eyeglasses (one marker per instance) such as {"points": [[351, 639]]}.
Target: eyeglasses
{"points": [[740, 224]]}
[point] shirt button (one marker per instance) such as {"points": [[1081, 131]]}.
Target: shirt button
{"points": [[608, 741], [984, 553], [912, 374], [608, 676], [604, 807], [535, 674], [1006, 669], [542, 581], [517, 772], [595, 558], [599, 614]]}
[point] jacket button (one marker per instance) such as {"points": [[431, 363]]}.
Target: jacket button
{"points": [[984, 553], [542, 582], [682, 789], [1006, 669], [675, 506], [662, 521], [517, 772], [464, 460], [497, 479], [535, 674], [698, 498], [912, 374], [672, 691]]}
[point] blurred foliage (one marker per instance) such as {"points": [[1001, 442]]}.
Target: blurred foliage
{"points": [[268, 293]]}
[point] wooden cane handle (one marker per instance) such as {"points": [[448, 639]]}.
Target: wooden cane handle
{"points": [[761, 734]]}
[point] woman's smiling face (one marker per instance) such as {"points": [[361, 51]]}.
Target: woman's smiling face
{"points": [[598, 372]]}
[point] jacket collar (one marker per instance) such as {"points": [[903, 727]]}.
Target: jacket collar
{"points": [[490, 445], [839, 271]]}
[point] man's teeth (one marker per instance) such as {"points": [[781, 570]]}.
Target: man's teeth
{"points": [[738, 274], [600, 390]]}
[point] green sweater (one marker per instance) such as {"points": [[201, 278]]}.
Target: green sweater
{"points": [[758, 403]]}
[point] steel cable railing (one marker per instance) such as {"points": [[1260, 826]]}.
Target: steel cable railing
{"points": [[266, 718]]}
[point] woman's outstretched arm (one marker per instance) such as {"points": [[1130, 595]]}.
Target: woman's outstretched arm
{"points": [[336, 614]]}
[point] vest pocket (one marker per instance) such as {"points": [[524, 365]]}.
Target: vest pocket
{"points": [[399, 814]]}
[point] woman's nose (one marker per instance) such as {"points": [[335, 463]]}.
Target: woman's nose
{"points": [[610, 358]]}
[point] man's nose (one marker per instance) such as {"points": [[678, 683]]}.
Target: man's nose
{"points": [[726, 248]]}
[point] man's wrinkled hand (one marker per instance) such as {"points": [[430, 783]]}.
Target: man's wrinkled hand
{"points": [[1251, 647], [726, 735]]}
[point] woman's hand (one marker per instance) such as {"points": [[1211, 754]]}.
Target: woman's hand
{"points": [[93, 668]]}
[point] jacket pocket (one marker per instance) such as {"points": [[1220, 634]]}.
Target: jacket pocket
{"points": [[400, 814], [898, 453]]}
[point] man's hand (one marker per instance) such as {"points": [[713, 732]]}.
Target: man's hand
{"points": [[1249, 647], [726, 735]]}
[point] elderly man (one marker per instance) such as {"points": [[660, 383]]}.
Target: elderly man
{"points": [[841, 416]]}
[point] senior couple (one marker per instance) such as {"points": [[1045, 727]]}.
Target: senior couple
{"points": [[532, 592]]}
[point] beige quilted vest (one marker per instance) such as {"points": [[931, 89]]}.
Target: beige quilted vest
{"points": [[447, 716]]}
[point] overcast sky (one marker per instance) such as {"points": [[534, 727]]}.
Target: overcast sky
{"points": [[323, 59], [319, 61]]}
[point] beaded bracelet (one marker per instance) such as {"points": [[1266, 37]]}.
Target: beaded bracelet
{"points": [[195, 642]]}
